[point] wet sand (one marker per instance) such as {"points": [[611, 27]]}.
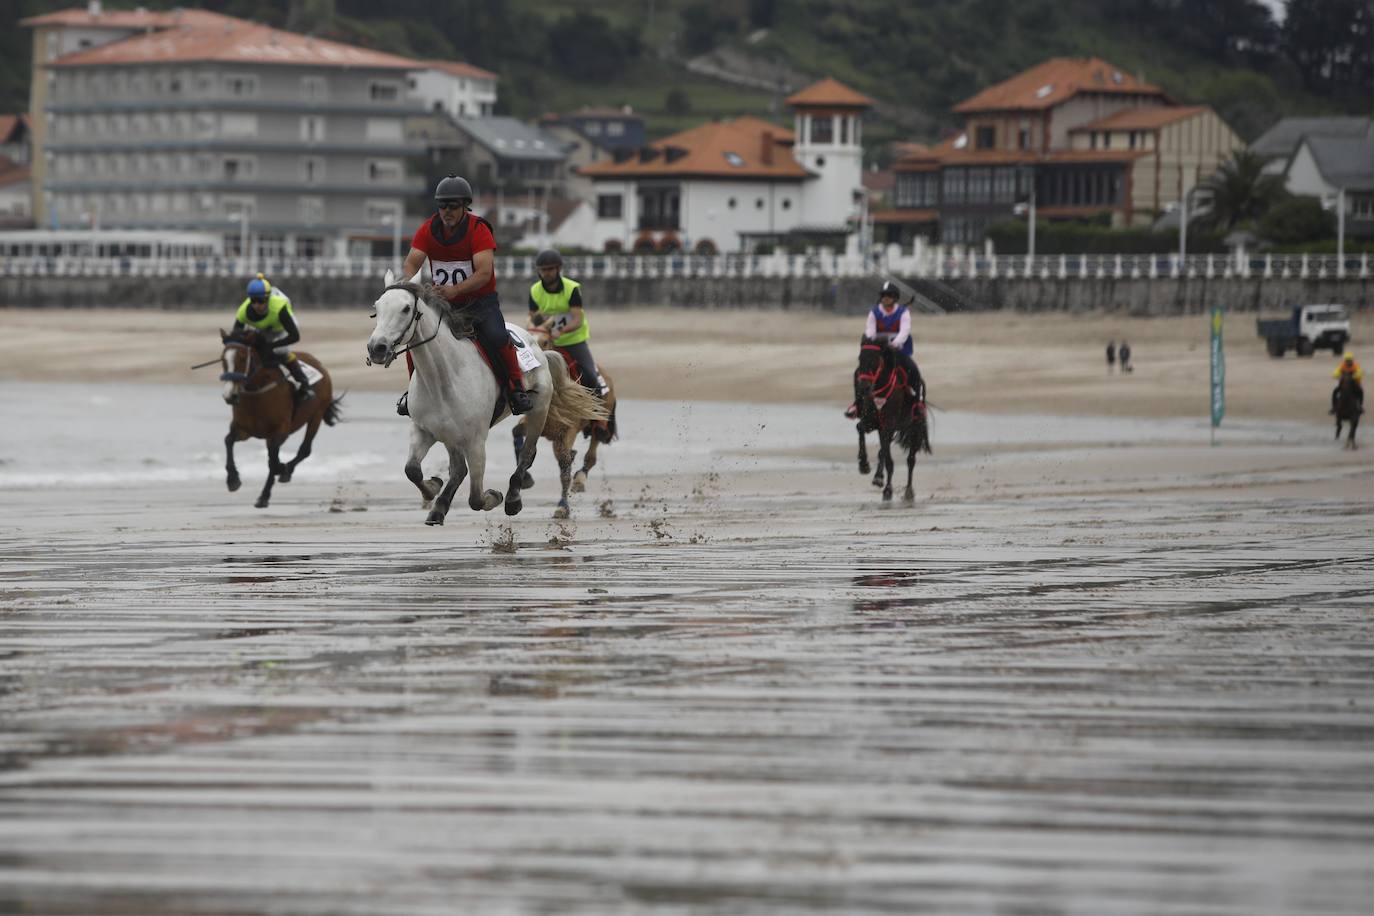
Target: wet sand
{"points": [[1098, 666]]}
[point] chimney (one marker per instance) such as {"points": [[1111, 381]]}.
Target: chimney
{"points": [[93, 7], [766, 154]]}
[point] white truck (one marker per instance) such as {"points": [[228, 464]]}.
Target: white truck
{"points": [[1307, 329]]}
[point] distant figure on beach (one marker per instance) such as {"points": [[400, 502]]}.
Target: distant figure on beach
{"points": [[1111, 356], [1125, 353]]}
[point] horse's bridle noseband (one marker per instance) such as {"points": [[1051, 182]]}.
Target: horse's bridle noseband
{"points": [[410, 329]]}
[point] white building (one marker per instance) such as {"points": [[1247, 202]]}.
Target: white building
{"points": [[734, 185], [1336, 169], [462, 90], [15, 194]]}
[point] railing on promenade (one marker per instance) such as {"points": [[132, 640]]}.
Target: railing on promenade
{"points": [[930, 262]]}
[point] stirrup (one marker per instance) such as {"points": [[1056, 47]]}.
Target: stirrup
{"points": [[403, 404], [519, 401]]}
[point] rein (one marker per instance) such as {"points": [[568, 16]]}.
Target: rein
{"points": [[243, 377]]}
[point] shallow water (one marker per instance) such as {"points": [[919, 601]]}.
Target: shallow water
{"points": [[740, 693]]}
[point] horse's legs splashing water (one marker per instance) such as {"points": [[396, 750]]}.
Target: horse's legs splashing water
{"points": [[885, 463], [457, 470], [864, 466], [273, 469], [231, 470], [303, 452], [420, 444], [479, 500], [517, 435], [910, 494]]}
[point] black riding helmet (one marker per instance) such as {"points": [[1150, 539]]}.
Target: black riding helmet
{"points": [[453, 188], [549, 257], [890, 289]]}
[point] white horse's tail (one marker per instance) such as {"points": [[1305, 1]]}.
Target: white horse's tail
{"points": [[571, 404]]}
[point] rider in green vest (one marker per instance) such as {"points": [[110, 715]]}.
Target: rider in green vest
{"points": [[268, 311], [556, 307]]}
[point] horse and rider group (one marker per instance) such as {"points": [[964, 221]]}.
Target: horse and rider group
{"points": [[468, 369]]}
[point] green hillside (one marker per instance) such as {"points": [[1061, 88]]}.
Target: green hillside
{"points": [[917, 57]]}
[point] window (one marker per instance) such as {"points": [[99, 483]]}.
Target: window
{"points": [[735, 159], [1023, 138], [1092, 139], [309, 246], [1134, 139], [312, 169], [312, 128], [312, 210], [787, 203], [985, 138], [820, 162], [384, 91], [615, 128], [1362, 208], [822, 129], [382, 211], [240, 85], [1004, 186], [238, 168], [384, 129], [732, 203], [758, 204], [844, 131], [979, 186], [238, 125], [592, 128], [609, 206], [236, 206], [314, 88], [955, 186], [383, 170]]}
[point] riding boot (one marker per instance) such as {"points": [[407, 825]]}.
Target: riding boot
{"points": [[1335, 394], [304, 392], [516, 395]]}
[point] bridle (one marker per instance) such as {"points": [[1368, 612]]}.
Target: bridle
{"points": [[411, 327], [248, 372]]}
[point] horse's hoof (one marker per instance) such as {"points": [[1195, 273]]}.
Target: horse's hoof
{"points": [[908, 497], [562, 512], [526, 481], [260, 504], [579, 482], [865, 468], [491, 499], [878, 481], [887, 496], [434, 518], [513, 506], [284, 477], [233, 483]]}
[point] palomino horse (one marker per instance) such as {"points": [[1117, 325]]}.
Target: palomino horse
{"points": [[1348, 409], [454, 397], [885, 405], [265, 408], [564, 437]]}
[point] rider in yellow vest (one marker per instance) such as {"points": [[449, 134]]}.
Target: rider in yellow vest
{"points": [[1349, 367], [556, 307], [268, 311]]}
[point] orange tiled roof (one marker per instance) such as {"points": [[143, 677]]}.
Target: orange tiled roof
{"points": [[1052, 82], [110, 19], [1143, 118], [199, 35], [720, 149], [830, 93], [459, 68], [905, 216]]}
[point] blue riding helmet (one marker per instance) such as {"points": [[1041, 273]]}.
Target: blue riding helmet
{"points": [[259, 288]]}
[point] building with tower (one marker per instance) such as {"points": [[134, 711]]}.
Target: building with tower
{"points": [[740, 184]]}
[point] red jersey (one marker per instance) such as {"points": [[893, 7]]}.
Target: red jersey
{"points": [[450, 256]]}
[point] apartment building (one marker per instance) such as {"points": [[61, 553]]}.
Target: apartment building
{"points": [[197, 121], [1080, 136]]}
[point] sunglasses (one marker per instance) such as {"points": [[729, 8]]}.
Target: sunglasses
{"points": [[450, 205], [258, 300]]}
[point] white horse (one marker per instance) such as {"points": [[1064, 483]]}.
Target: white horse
{"points": [[453, 395]]}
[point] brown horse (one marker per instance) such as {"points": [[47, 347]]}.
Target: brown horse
{"points": [[885, 405], [265, 408], [1349, 406], [564, 436]]}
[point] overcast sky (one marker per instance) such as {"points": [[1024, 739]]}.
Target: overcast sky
{"points": [[1276, 7]]}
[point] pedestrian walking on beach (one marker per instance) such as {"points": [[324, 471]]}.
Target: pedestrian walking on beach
{"points": [[1125, 353], [1111, 356]]}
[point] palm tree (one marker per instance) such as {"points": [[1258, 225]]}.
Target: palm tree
{"points": [[1241, 191]]}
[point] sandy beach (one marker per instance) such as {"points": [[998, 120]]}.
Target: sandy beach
{"points": [[1098, 665]]}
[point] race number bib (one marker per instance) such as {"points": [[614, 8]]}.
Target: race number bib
{"points": [[529, 360], [446, 273]]}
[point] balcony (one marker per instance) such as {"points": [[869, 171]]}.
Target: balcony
{"points": [[659, 222]]}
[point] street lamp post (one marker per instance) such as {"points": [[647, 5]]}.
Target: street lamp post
{"points": [[1029, 209], [1340, 233], [242, 220]]}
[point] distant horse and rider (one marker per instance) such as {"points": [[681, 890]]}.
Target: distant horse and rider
{"points": [[257, 361], [454, 396], [1347, 400], [559, 323]]}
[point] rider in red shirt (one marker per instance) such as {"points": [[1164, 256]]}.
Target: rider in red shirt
{"points": [[461, 250]]}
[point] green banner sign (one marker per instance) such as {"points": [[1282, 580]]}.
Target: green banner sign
{"points": [[1218, 371]]}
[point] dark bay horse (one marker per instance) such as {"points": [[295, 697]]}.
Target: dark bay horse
{"points": [[885, 405], [265, 407], [564, 435], [1349, 406]]}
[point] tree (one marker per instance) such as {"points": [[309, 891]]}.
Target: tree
{"points": [[1297, 220], [1331, 42], [572, 36], [1241, 191], [703, 26], [676, 102]]}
